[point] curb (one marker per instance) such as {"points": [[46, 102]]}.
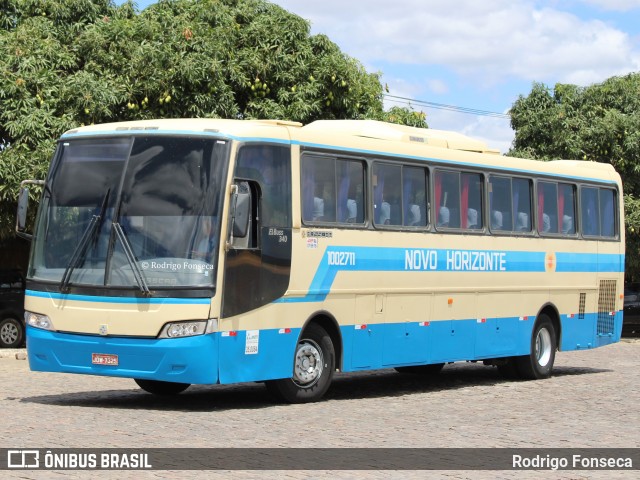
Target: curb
{"points": [[17, 353]]}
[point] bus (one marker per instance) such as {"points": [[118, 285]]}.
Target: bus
{"points": [[211, 251]]}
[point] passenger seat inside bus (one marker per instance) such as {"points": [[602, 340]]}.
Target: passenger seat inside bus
{"points": [[443, 217], [318, 209], [522, 222], [472, 218]]}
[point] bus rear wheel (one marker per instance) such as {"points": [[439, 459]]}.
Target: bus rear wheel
{"points": [[539, 363], [313, 366], [161, 388]]}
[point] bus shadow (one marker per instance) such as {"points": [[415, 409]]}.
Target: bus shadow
{"points": [[249, 396]]}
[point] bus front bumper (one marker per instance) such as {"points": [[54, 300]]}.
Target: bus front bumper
{"points": [[191, 360]]}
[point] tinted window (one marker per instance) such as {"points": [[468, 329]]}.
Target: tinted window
{"points": [[332, 190], [458, 200]]}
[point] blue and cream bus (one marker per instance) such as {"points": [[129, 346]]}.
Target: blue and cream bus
{"points": [[203, 251]]}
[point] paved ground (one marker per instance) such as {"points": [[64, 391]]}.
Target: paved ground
{"points": [[591, 401]]}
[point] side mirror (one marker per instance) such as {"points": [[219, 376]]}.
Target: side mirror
{"points": [[240, 216], [23, 207], [242, 213]]}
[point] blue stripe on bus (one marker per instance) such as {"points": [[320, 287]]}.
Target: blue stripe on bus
{"points": [[381, 259], [223, 357], [127, 300]]}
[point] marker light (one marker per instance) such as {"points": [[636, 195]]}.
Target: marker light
{"points": [[38, 321]]}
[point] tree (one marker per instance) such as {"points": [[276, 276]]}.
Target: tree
{"points": [[598, 123], [66, 63]]}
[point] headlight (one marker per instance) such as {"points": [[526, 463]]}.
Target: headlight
{"points": [[38, 321], [183, 329]]}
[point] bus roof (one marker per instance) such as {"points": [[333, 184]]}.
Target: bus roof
{"points": [[401, 133], [362, 136]]}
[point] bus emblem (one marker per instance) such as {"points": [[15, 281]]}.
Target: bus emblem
{"points": [[103, 330]]}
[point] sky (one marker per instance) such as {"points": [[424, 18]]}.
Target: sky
{"points": [[478, 55]]}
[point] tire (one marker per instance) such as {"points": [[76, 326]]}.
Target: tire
{"points": [[432, 369], [11, 333], [539, 363], [161, 388], [313, 365]]}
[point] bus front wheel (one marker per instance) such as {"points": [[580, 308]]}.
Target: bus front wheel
{"points": [[539, 363], [161, 388], [313, 366]]}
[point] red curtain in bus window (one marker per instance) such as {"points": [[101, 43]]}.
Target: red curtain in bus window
{"points": [[464, 201], [438, 192]]}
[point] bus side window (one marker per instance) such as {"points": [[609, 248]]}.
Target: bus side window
{"points": [[332, 190], [318, 189], [589, 211], [471, 200], [548, 207], [566, 208], [500, 203], [521, 197], [350, 201], [607, 213], [386, 194], [447, 196], [414, 196]]}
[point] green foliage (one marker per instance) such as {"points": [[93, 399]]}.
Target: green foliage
{"points": [[66, 63], [598, 123]]}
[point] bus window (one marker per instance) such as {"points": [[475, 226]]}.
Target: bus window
{"points": [[566, 208], [589, 211], [547, 207], [350, 202], [332, 190], [458, 200], [270, 167], [607, 213], [414, 196], [471, 201], [499, 203], [597, 212], [318, 189], [447, 193], [387, 188], [521, 196]]}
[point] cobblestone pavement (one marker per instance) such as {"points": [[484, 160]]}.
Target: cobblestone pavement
{"points": [[591, 401]]}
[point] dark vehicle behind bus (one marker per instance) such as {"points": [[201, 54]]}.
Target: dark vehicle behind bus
{"points": [[12, 331], [631, 323]]}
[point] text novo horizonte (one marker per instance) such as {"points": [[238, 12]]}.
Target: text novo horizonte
{"points": [[455, 260]]}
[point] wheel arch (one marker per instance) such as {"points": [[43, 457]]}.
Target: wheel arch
{"points": [[328, 322], [551, 311]]}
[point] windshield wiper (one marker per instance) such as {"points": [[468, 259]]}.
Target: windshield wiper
{"points": [[80, 251], [128, 252]]}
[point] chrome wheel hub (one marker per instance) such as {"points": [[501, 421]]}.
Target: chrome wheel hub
{"points": [[543, 347], [309, 364]]}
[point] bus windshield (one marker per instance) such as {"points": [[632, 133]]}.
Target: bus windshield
{"points": [[131, 211]]}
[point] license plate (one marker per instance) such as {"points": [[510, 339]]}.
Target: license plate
{"points": [[104, 359]]}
